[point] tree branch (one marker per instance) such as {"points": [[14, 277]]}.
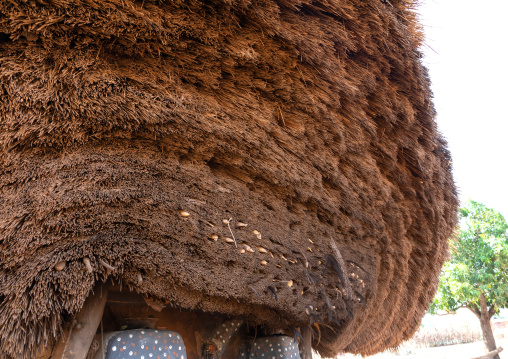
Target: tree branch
{"points": [[491, 354], [474, 308], [492, 310], [452, 311]]}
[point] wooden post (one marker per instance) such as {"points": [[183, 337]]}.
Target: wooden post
{"points": [[76, 340], [307, 343], [219, 338]]}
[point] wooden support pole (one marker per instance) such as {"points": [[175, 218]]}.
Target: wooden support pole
{"points": [[76, 340], [307, 343], [218, 339]]}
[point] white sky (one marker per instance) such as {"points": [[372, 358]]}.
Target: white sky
{"points": [[467, 56]]}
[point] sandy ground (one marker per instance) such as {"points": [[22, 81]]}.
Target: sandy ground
{"points": [[461, 351]]}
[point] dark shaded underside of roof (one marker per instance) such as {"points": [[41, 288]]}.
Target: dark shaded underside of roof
{"points": [[310, 121]]}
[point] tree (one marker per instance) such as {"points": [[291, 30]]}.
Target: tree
{"points": [[476, 276]]}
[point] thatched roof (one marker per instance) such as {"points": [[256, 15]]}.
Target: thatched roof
{"points": [[310, 121]]}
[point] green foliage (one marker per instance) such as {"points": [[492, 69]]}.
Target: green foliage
{"points": [[478, 263]]}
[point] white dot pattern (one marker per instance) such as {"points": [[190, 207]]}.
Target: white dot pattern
{"points": [[225, 332], [285, 347], [157, 344]]}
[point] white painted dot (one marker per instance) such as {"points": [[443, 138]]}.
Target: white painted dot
{"points": [[179, 348], [142, 332], [142, 357], [165, 354], [170, 335], [280, 350], [130, 335], [156, 331], [170, 347], [118, 339], [150, 355], [142, 346], [124, 347], [113, 349], [160, 348], [130, 353], [156, 342]]}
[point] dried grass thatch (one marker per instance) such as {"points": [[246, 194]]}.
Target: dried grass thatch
{"points": [[311, 121]]}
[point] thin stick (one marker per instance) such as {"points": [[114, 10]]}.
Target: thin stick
{"points": [[102, 339], [105, 264], [342, 265], [229, 220], [282, 117], [88, 266]]}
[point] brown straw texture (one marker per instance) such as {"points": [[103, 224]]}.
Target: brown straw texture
{"points": [[138, 134]]}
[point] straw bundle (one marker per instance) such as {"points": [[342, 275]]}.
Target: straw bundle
{"points": [[213, 154]]}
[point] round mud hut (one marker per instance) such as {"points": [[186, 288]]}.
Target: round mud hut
{"points": [[274, 164]]}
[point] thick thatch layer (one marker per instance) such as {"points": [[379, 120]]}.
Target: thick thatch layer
{"points": [[310, 121]]}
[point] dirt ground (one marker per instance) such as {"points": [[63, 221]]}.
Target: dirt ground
{"points": [[460, 351]]}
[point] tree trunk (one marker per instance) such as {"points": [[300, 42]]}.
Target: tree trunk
{"points": [[488, 337]]}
